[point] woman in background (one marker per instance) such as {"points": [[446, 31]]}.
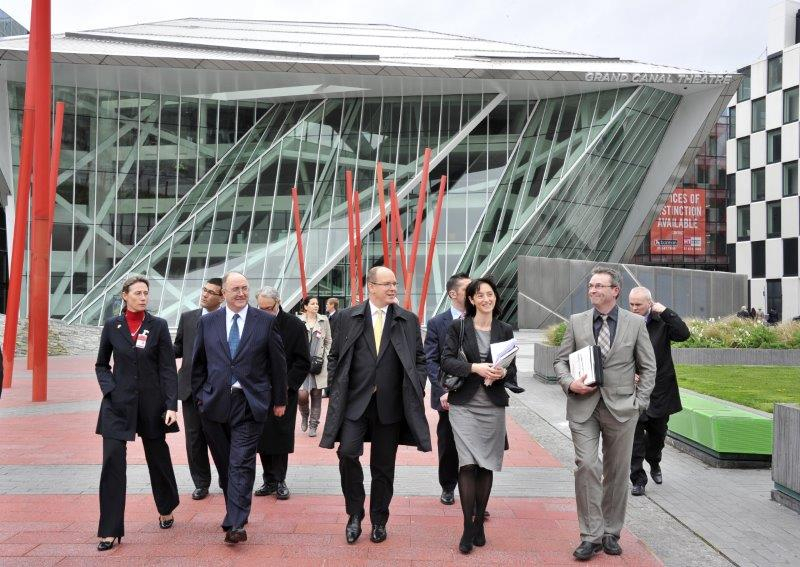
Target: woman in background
{"points": [[319, 344]]}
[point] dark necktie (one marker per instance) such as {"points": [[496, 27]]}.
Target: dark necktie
{"points": [[233, 336], [604, 337]]}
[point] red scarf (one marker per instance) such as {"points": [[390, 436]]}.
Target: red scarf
{"points": [[134, 319]]}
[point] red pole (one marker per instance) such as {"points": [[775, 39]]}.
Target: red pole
{"points": [[40, 232], [432, 246], [398, 231], [56, 157], [299, 231], [359, 251], [379, 186], [348, 192], [423, 186]]}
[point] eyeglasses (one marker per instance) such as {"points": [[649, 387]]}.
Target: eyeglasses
{"points": [[385, 284], [598, 286], [211, 291], [238, 290]]}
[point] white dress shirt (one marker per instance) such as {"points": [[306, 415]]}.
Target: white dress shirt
{"points": [[456, 313], [239, 323]]}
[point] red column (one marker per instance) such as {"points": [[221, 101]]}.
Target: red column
{"points": [[299, 231], [432, 247], [398, 228], [379, 186], [40, 241], [423, 186], [348, 192], [359, 249]]}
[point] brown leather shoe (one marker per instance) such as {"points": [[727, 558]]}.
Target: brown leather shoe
{"points": [[235, 535]]}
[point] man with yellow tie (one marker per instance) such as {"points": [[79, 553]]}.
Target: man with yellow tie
{"points": [[376, 380]]}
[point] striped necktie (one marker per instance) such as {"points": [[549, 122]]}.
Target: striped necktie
{"points": [[604, 337]]}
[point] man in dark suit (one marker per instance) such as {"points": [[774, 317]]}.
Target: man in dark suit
{"points": [[664, 326], [277, 439], [332, 311], [196, 445], [238, 373], [376, 374], [435, 338]]}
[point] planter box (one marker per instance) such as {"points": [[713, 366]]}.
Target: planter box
{"points": [[543, 358], [737, 356], [786, 456]]}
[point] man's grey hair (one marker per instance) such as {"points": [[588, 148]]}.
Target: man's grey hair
{"points": [[229, 274], [269, 292], [643, 291], [616, 279]]}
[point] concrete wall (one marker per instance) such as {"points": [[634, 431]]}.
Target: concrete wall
{"points": [[552, 289]]}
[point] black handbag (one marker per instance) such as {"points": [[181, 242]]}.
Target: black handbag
{"points": [[316, 365], [448, 381], [173, 428]]}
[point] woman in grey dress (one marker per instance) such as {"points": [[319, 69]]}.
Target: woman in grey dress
{"points": [[477, 407]]}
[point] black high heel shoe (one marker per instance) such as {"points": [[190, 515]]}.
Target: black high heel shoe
{"points": [[465, 545], [105, 545], [165, 524], [479, 536]]}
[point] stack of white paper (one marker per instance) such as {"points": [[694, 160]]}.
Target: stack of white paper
{"points": [[504, 353], [583, 362]]}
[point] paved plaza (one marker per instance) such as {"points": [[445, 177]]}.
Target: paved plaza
{"points": [[50, 466]]}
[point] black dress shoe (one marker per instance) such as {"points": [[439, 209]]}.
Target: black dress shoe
{"points": [[637, 490], [353, 529], [586, 550], [266, 489], [105, 545], [199, 493], [447, 497], [655, 474], [479, 535], [282, 491], [611, 545], [235, 535], [378, 533], [165, 524]]}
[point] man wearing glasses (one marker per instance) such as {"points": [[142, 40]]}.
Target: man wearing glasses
{"points": [[610, 410], [196, 445], [376, 374]]}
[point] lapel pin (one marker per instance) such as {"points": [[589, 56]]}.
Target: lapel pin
{"points": [[118, 326]]}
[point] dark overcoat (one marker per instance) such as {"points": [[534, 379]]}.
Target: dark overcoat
{"points": [[184, 345], [142, 384], [664, 328], [278, 435], [406, 338], [435, 338]]}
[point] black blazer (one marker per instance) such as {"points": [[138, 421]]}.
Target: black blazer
{"points": [[435, 337], [295, 346], [664, 329], [259, 365], [142, 384], [184, 345], [452, 365]]}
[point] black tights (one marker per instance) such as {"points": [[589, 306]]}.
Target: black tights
{"points": [[474, 487]]}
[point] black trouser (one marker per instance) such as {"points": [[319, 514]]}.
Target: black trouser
{"points": [[233, 446], [113, 481], [275, 467], [448, 455], [196, 445], [383, 452], [648, 442]]}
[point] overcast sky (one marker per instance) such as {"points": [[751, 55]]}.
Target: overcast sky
{"points": [[710, 35]]}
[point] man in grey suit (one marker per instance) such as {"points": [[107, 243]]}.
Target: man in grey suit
{"points": [[196, 445], [610, 410]]}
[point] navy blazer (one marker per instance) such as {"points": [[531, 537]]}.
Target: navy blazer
{"points": [[143, 382], [259, 365], [435, 338]]}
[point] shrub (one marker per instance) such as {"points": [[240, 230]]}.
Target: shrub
{"points": [[555, 334], [733, 332]]}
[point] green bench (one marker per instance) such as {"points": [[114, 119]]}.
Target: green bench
{"points": [[720, 434]]}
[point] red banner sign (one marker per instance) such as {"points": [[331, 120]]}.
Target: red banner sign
{"points": [[680, 228]]}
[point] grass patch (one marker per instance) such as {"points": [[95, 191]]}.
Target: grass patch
{"points": [[753, 386]]}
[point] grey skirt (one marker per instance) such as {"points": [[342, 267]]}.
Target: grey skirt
{"points": [[479, 429]]}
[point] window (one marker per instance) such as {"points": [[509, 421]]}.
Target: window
{"points": [[774, 145], [732, 123], [790, 257], [731, 189], [773, 219], [758, 263], [759, 116], [730, 250], [743, 222], [744, 87], [743, 153], [774, 73], [757, 185], [790, 178], [790, 110]]}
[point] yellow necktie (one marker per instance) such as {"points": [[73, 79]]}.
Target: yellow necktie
{"points": [[377, 328]]}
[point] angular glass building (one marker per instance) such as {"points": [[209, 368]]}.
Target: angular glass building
{"points": [[183, 139]]}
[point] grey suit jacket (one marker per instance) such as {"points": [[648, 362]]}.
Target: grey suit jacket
{"points": [[631, 353]]}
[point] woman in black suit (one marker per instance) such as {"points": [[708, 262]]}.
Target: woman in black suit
{"points": [[140, 395], [477, 407]]}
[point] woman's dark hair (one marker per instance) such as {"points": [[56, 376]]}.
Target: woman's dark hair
{"points": [[304, 303], [472, 290], [135, 278]]}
